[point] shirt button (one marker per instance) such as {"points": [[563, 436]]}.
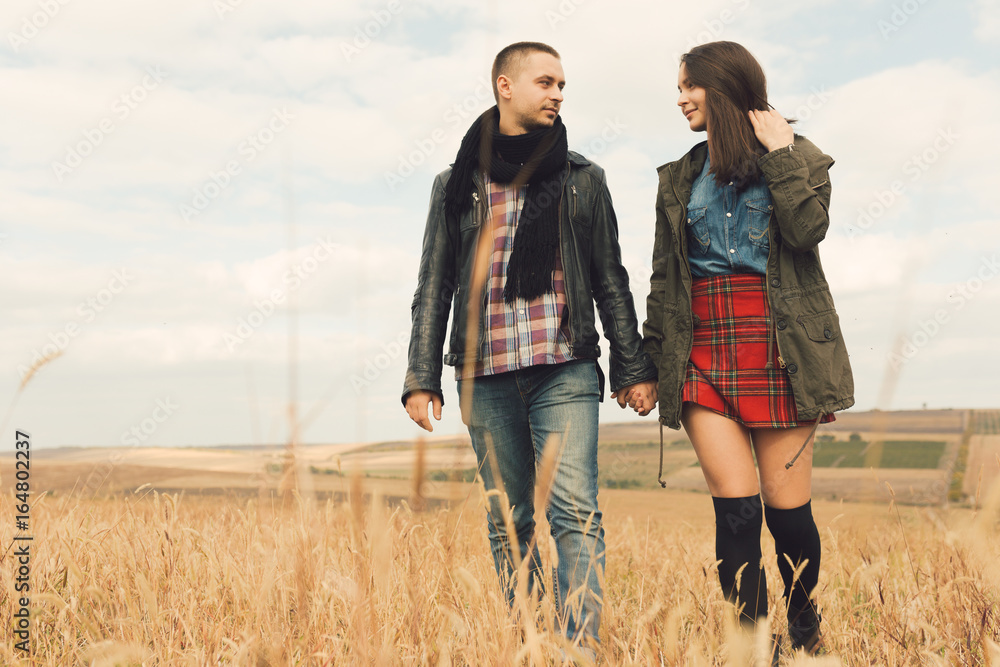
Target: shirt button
{"points": [[729, 215], [730, 182], [782, 324], [827, 334], [775, 282], [792, 369], [732, 250]]}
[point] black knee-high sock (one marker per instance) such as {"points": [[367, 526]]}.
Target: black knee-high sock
{"points": [[737, 543], [795, 535]]}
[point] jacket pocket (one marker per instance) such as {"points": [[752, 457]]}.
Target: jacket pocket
{"points": [[697, 226], [759, 216], [822, 327], [580, 205], [820, 360], [470, 218]]}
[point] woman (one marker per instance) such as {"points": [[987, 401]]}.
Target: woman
{"points": [[741, 324]]}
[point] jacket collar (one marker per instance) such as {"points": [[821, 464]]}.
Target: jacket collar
{"points": [[691, 164], [676, 181], [576, 159]]}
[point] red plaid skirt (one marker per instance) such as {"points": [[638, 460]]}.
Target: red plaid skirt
{"points": [[727, 371]]}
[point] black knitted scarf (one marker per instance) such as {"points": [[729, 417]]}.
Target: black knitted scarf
{"points": [[535, 159]]}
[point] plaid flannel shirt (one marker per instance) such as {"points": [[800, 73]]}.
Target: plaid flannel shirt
{"points": [[525, 333]]}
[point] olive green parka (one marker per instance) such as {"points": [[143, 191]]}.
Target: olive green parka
{"points": [[803, 318]]}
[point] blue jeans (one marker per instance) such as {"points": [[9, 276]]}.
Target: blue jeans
{"points": [[510, 419]]}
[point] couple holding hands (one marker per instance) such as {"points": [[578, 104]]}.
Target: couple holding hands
{"points": [[741, 343]]}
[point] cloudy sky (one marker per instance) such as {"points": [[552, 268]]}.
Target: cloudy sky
{"points": [[179, 178]]}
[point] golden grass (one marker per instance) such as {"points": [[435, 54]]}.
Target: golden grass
{"points": [[193, 581]]}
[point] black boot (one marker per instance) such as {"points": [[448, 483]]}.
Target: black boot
{"points": [[803, 629]]}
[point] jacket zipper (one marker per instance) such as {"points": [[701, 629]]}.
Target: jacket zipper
{"points": [[569, 307], [481, 208], [772, 326], [685, 267]]}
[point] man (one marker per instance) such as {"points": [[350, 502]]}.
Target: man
{"points": [[522, 233]]}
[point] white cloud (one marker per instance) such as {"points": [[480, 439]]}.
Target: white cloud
{"points": [[987, 17], [403, 103]]}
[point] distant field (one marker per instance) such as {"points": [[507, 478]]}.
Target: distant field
{"points": [[913, 454], [986, 422], [942, 462], [635, 466]]}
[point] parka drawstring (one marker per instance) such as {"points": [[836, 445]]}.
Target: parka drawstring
{"points": [[659, 476], [812, 432]]}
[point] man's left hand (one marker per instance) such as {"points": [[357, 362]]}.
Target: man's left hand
{"points": [[640, 396]]}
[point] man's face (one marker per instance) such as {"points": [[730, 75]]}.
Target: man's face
{"points": [[534, 93]]}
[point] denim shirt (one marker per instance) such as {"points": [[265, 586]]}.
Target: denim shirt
{"points": [[726, 229]]}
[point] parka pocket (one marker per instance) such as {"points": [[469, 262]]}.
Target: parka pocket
{"points": [[759, 216], [697, 226], [819, 357], [822, 327]]}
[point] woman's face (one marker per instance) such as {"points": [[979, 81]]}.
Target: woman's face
{"points": [[692, 102]]}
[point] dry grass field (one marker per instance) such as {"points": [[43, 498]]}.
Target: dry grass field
{"points": [[260, 578], [334, 555]]}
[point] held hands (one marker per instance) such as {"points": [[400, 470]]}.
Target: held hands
{"points": [[416, 406], [640, 396], [771, 129]]}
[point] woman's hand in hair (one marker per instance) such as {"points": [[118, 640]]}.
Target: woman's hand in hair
{"points": [[771, 129]]}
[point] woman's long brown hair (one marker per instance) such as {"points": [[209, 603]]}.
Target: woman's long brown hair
{"points": [[734, 84]]}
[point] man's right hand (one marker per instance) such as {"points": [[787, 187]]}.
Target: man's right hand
{"points": [[416, 407]]}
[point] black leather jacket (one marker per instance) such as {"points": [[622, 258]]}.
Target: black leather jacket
{"points": [[592, 270]]}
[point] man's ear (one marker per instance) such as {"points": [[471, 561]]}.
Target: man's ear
{"points": [[503, 86]]}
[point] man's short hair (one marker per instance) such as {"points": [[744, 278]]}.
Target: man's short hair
{"points": [[511, 59]]}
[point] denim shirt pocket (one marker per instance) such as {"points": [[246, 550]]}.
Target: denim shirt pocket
{"points": [[759, 217], [697, 229]]}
